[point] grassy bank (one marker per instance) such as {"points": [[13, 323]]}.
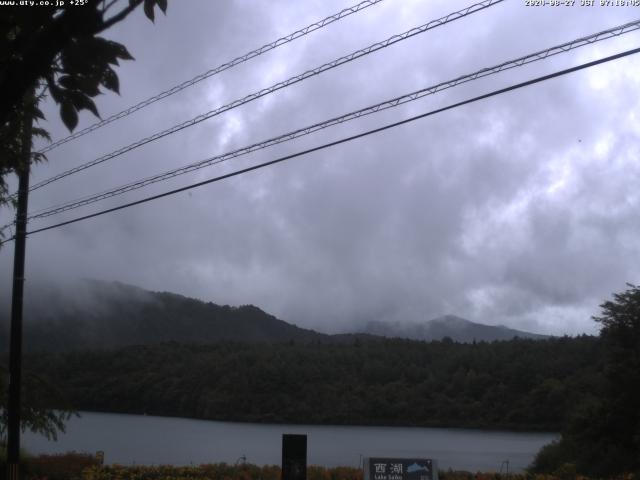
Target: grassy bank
{"points": [[79, 466]]}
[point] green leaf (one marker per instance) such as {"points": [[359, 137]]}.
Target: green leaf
{"points": [[102, 50], [148, 9], [91, 106], [163, 5], [40, 132], [37, 114], [37, 157], [83, 102], [110, 80], [83, 83], [121, 51], [67, 81], [56, 92], [75, 57], [90, 55], [88, 85], [69, 115]]}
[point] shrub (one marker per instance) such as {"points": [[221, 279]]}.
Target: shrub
{"points": [[68, 466]]}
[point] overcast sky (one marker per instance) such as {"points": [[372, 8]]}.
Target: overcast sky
{"points": [[519, 210]]}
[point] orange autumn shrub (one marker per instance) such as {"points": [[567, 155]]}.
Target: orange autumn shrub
{"points": [[222, 471], [336, 473], [67, 466]]}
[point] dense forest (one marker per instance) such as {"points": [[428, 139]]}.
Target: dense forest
{"points": [[520, 384]]}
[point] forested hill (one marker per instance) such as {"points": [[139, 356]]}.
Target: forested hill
{"points": [[518, 384], [93, 314], [97, 315]]}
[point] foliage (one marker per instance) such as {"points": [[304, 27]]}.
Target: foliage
{"points": [[56, 48], [218, 471], [562, 474], [13, 137], [3, 456], [67, 466], [462, 475], [35, 415], [602, 436], [82, 467], [521, 384], [59, 45]]}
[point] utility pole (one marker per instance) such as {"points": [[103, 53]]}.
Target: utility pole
{"points": [[15, 346]]}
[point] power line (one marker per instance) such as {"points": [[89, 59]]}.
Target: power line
{"points": [[286, 83], [533, 57], [343, 140], [214, 71]]}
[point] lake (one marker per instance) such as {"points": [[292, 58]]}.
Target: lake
{"points": [[148, 440]]}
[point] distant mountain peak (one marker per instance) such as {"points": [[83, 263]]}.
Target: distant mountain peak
{"points": [[457, 328], [452, 321]]}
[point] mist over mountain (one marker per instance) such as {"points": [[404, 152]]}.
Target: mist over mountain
{"points": [[456, 328], [92, 314]]}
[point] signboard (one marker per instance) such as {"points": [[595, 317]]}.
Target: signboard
{"points": [[400, 469]]}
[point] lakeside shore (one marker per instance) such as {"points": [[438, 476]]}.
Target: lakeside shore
{"points": [[78, 466]]}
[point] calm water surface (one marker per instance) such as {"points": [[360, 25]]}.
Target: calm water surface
{"points": [[147, 440]]}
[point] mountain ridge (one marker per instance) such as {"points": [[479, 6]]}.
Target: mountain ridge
{"points": [[105, 315], [456, 328], [94, 314]]}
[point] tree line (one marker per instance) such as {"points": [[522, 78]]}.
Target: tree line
{"points": [[520, 384]]}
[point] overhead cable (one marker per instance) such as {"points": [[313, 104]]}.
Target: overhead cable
{"points": [[286, 83], [338, 142], [394, 102], [214, 71]]}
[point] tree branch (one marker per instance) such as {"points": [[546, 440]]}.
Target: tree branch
{"points": [[119, 16], [108, 6], [34, 58]]}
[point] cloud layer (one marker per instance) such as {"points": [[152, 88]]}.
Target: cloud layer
{"points": [[521, 209]]}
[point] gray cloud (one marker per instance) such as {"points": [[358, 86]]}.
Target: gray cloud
{"points": [[520, 210]]}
